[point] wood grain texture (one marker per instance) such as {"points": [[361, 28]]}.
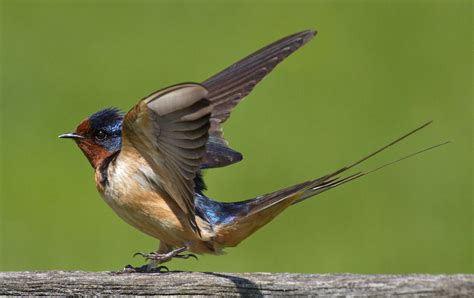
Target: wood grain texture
{"points": [[235, 284]]}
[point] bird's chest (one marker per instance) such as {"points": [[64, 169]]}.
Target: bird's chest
{"points": [[124, 181]]}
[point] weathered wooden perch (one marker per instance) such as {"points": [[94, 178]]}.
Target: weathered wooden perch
{"points": [[208, 283]]}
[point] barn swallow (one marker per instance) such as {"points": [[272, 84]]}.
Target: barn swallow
{"points": [[148, 162]]}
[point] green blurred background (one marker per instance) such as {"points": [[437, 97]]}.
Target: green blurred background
{"points": [[376, 70]]}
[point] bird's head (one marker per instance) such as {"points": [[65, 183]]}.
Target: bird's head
{"points": [[99, 136]]}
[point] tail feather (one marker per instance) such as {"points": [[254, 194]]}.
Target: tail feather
{"points": [[339, 181], [314, 187], [263, 209]]}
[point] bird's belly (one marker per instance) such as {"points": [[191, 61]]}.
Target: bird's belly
{"points": [[152, 218], [132, 194]]}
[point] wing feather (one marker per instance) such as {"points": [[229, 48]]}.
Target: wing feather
{"points": [[230, 86]]}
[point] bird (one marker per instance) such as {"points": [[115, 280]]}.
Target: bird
{"points": [[149, 162]]}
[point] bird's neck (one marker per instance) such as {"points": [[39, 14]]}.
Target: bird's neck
{"points": [[94, 153]]}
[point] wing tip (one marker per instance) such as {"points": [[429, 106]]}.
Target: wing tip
{"points": [[308, 34]]}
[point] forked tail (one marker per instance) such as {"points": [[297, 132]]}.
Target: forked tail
{"points": [[261, 210]]}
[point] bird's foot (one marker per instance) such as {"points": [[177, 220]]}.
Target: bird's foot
{"points": [[144, 269], [160, 258], [155, 259]]}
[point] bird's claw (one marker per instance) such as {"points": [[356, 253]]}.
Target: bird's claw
{"points": [[186, 256]]}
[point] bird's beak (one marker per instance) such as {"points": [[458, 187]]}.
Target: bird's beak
{"points": [[70, 136]]}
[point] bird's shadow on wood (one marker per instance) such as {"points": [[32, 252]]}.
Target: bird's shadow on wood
{"points": [[244, 286]]}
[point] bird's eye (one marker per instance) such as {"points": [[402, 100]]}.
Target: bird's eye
{"points": [[100, 135]]}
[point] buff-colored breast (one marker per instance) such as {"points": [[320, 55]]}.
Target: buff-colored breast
{"points": [[133, 192]]}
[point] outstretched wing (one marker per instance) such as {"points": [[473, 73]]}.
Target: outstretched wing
{"points": [[230, 86], [169, 129]]}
